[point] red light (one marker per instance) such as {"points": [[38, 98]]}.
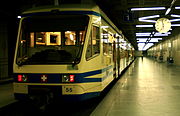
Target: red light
{"points": [[20, 78], [71, 78]]}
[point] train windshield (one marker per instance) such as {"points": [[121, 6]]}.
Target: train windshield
{"points": [[53, 39]]}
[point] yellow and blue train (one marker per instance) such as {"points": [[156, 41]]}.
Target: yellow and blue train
{"points": [[72, 52]]}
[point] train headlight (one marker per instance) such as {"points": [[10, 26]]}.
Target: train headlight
{"points": [[68, 78], [22, 78]]}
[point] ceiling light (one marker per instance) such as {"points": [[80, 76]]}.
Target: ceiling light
{"points": [[151, 38], [174, 15], [157, 38], [149, 8], [174, 20], [144, 25], [168, 10], [162, 34], [145, 40], [142, 34], [149, 21], [149, 17], [146, 19], [178, 7], [141, 40], [175, 25], [148, 45]]}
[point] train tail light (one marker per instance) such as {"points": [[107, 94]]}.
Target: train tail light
{"points": [[22, 78], [68, 78], [71, 78]]}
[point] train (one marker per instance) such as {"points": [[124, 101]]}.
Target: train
{"points": [[68, 52]]}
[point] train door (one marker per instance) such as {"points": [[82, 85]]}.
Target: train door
{"points": [[115, 68], [107, 50], [118, 55]]}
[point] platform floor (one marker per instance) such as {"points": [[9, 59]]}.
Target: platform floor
{"points": [[148, 88], [6, 94]]}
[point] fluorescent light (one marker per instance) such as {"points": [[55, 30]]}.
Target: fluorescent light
{"points": [[153, 40], [162, 34], [147, 38], [147, 46], [175, 25], [141, 40], [143, 34], [149, 8], [148, 34], [149, 21], [144, 25], [178, 7], [174, 20], [143, 46], [157, 38], [174, 15], [146, 19], [168, 10], [140, 46], [144, 40]]}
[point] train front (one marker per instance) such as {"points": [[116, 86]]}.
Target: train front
{"points": [[49, 48]]}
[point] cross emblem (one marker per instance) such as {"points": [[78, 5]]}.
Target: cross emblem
{"points": [[43, 78]]}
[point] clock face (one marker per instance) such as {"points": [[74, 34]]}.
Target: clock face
{"points": [[163, 25]]}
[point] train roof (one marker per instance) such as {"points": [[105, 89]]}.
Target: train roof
{"points": [[72, 7], [64, 7]]}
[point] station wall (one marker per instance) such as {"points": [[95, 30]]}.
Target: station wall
{"points": [[3, 51], [166, 49]]}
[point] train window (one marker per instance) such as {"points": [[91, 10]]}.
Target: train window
{"points": [[94, 43], [45, 38], [95, 40], [89, 49], [52, 39], [70, 38], [105, 42]]}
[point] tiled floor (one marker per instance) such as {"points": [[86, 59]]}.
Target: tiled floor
{"points": [[148, 88]]}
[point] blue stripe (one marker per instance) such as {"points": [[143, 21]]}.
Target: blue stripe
{"points": [[62, 12], [79, 77]]}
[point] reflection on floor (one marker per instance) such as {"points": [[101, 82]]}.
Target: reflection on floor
{"points": [[148, 88]]}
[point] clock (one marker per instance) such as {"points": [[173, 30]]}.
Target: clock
{"points": [[163, 25]]}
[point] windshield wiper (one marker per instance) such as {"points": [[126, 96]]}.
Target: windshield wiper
{"points": [[75, 61], [22, 61], [77, 58]]}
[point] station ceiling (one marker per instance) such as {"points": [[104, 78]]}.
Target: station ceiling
{"points": [[119, 11]]}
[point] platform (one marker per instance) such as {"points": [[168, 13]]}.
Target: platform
{"points": [[148, 88], [6, 93]]}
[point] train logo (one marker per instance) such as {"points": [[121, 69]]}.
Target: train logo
{"points": [[44, 78]]}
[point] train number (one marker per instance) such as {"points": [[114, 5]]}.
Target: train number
{"points": [[68, 89]]}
